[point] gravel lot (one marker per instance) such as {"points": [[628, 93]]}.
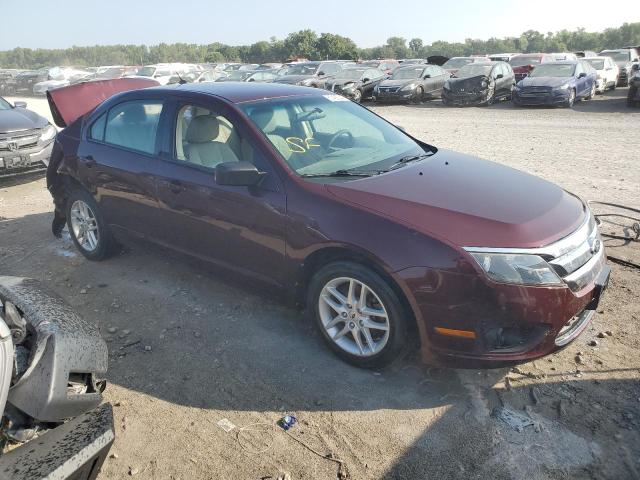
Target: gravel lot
{"points": [[218, 348]]}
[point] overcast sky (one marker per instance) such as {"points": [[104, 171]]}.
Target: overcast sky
{"points": [[63, 23]]}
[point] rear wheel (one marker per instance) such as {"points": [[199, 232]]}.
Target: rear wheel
{"points": [[87, 227], [358, 314]]}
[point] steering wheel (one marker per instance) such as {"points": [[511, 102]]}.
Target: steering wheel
{"points": [[338, 134]]}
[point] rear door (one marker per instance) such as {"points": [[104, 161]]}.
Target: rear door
{"points": [[119, 161], [240, 228]]}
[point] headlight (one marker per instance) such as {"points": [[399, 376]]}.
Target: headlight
{"points": [[484, 84], [515, 268], [564, 86], [411, 86], [48, 133]]}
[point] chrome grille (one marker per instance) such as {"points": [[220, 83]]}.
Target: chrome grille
{"points": [[388, 89], [19, 141]]}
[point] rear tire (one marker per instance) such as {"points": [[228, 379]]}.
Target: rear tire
{"points": [[354, 329], [87, 227]]}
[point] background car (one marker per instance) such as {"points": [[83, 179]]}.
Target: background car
{"points": [[208, 75], [585, 54], [412, 83], [561, 56], [557, 83], [249, 76], [309, 74], [607, 73], [502, 57], [624, 58], [355, 83], [27, 79], [26, 138], [67, 76], [8, 81], [524, 63], [411, 61], [386, 65], [633, 96], [479, 83]]}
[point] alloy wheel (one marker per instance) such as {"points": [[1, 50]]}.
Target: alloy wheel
{"points": [[353, 316], [572, 98], [357, 96], [84, 225]]}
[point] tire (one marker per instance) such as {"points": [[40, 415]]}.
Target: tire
{"points": [[357, 96], [84, 216], [592, 93], [631, 102], [337, 316], [572, 99], [419, 95], [490, 99], [614, 86]]}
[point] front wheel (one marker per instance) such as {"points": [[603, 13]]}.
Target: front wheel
{"points": [[357, 96], [592, 92], [87, 228], [572, 99], [418, 96], [358, 314]]}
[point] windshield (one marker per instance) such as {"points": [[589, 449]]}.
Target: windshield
{"points": [[472, 70], [319, 135], [520, 61], [619, 56], [407, 73], [553, 70], [302, 69], [350, 74], [456, 62], [597, 64], [4, 105], [146, 72], [111, 73]]}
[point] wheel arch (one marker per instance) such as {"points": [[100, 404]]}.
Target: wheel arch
{"points": [[333, 253]]}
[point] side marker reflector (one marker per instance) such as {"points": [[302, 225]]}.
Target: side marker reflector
{"points": [[450, 332]]}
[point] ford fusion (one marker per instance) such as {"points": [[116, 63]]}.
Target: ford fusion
{"points": [[26, 138], [479, 84], [384, 238], [557, 83], [412, 83]]}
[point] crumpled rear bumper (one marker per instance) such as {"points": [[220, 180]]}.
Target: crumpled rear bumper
{"points": [[75, 450]]}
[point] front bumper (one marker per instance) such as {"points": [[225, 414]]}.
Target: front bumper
{"points": [[502, 323], [464, 98], [393, 96], [12, 163], [552, 97], [75, 450]]}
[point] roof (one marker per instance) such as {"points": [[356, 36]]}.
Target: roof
{"points": [[239, 92]]}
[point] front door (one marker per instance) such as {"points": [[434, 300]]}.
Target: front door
{"points": [[241, 228]]}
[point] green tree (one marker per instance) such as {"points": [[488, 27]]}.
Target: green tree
{"points": [[301, 44], [333, 46], [415, 44]]}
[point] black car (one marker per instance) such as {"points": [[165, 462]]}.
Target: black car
{"points": [[26, 80], [26, 138], [355, 83], [633, 97], [8, 81], [479, 84], [309, 74], [412, 83]]}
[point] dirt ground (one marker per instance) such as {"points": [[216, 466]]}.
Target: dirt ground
{"points": [[189, 347]]}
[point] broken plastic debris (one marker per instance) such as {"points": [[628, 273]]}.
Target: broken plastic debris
{"points": [[516, 420], [287, 422], [226, 425]]}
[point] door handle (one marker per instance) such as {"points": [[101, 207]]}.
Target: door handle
{"points": [[88, 161], [176, 187]]}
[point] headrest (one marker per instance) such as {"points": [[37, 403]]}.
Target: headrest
{"points": [[263, 118], [202, 129], [134, 113]]}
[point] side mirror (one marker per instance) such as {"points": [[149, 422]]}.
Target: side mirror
{"points": [[634, 68], [582, 75], [20, 104], [321, 74], [238, 174], [427, 76], [365, 80], [500, 75]]}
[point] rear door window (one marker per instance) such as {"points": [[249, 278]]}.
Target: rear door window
{"points": [[134, 125]]}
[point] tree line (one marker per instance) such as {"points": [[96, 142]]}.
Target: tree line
{"points": [[308, 44]]}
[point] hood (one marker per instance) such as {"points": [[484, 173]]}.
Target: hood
{"points": [[69, 103], [293, 79], [343, 82], [552, 82], [469, 202], [469, 84], [20, 119], [397, 83]]}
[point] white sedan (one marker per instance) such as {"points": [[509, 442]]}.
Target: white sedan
{"points": [[608, 73]]}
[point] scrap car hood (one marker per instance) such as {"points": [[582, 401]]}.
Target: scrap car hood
{"points": [[20, 119], [69, 103], [342, 82], [397, 83], [467, 84], [553, 82], [468, 202]]}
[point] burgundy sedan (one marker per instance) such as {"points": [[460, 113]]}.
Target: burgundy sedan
{"points": [[382, 237]]}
